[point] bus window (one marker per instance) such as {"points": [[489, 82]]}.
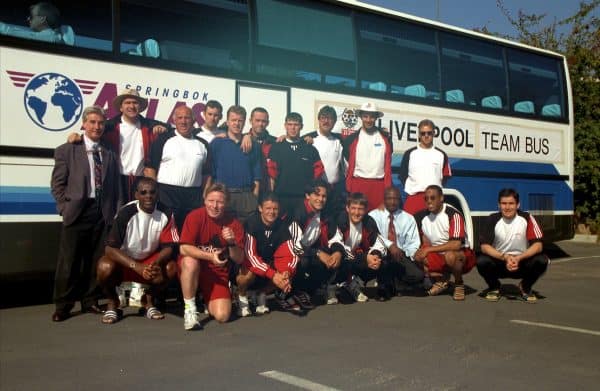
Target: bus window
{"points": [[397, 53], [534, 78], [214, 34], [54, 22], [474, 67], [305, 40]]}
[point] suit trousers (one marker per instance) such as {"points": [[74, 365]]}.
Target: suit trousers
{"points": [[81, 245]]}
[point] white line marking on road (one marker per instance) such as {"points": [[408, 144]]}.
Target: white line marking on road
{"points": [[557, 327], [296, 381], [573, 259]]}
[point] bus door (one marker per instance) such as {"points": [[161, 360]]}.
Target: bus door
{"points": [[275, 99]]}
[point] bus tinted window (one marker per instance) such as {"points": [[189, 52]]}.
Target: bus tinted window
{"points": [[305, 40], [535, 84], [473, 72], [78, 24], [214, 34], [397, 57]]}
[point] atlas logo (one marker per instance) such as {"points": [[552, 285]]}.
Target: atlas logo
{"points": [[52, 101]]}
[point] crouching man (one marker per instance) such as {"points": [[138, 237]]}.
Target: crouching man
{"points": [[210, 239], [139, 248], [444, 245], [511, 247], [269, 255]]}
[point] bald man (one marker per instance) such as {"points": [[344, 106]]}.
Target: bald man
{"points": [[180, 162]]}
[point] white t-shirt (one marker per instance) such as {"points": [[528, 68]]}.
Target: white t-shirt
{"points": [[132, 149], [370, 156], [209, 135], [425, 167], [182, 161]]}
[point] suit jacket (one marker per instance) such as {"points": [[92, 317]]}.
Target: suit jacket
{"points": [[70, 182]]}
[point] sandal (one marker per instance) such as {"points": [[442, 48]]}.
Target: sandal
{"points": [[154, 313], [459, 292], [111, 316], [437, 288]]}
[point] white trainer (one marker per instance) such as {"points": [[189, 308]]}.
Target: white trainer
{"points": [[261, 303], [243, 307], [191, 321]]}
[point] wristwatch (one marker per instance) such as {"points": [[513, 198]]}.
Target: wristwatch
{"points": [[132, 265]]}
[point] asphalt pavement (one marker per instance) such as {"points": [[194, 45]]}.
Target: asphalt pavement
{"points": [[408, 343]]}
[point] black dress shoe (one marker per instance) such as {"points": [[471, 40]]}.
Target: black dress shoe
{"points": [[384, 294], [93, 309], [59, 316]]}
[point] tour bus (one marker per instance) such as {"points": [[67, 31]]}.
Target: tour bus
{"points": [[503, 111]]}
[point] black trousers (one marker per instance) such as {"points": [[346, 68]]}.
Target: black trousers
{"points": [[81, 244], [530, 270], [404, 270]]}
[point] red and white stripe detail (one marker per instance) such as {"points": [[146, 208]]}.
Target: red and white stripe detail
{"points": [[19, 79], [255, 260], [87, 86]]}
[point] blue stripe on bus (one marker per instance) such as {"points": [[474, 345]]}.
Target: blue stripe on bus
{"points": [[22, 200]]}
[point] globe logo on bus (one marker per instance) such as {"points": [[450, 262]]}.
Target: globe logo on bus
{"points": [[53, 101]]}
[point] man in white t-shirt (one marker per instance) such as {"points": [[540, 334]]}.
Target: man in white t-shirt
{"points": [[369, 156], [181, 164], [422, 166], [511, 247]]}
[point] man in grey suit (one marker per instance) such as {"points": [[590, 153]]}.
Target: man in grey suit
{"points": [[85, 186]]}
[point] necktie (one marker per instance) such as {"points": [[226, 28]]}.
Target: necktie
{"points": [[392, 229], [97, 172]]}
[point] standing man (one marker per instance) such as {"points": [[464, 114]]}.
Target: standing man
{"points": [[369, 156], [85, 187], [422, 166], [259, 120], [511, 247], [240, 171], [401, 237], [444, 245], [181, 163], [131, 137], [293, 164], [269, 256], [213, 112], [210, 240], [139, 248], [331, 151]]}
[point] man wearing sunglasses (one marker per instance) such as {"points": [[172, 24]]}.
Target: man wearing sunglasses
{"points": [[139, 248], [422, 166], [444, 244]]}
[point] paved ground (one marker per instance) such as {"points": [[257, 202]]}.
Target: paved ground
{"points": [[409, 343]]}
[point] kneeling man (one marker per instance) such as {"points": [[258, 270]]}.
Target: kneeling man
{"points": [[444, 247], [138, 248], [269, 255], [511, 247], [210, 238]]}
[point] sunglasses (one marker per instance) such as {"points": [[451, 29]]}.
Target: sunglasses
{"points": [[426, 133], [144, 192]]}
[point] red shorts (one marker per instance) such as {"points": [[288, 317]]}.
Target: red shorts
{"points": [[437, 263], [415, 203], [373, 190], [130, 275], [212, 280]]}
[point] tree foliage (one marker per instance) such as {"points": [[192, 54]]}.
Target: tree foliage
{"points": [[580, 44]]}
